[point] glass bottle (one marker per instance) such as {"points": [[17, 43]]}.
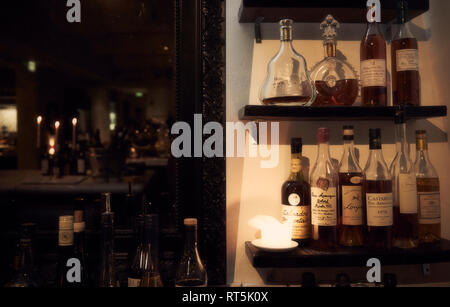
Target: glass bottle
{"points": [[405, 189], [296, 198], [335, 80], [351, 209], [150, 254], [191, 271], [79, 243], [405, 62], [378, 196], [65, 251], [324, 190], [288, 81], [373, 66], [24, 262], [429, 193], [107, 266], [135, 271]]}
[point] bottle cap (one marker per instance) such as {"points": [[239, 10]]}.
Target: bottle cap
{"points": [[190, 222], [323, 135], [66, 222], [296, 146], [348, 132], [286, 29], [375, 139]]}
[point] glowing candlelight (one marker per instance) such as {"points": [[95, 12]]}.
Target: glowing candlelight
{"points": [[51, 142], [74, 133], [38, 141], [57, 126], [51, 151], [273, 233]]}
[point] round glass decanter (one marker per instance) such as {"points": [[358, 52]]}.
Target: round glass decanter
{"points": [[288, 81], [335, 80]]}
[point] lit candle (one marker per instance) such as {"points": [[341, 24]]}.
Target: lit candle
{"points": [[74, 133], [38, 141], [57, 125]]}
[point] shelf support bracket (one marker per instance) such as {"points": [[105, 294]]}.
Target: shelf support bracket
{"points": [[258, 36]]}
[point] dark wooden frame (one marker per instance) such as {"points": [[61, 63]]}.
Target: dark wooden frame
{"points": [[200, 86]]}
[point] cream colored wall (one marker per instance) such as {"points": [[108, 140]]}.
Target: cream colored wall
{"points": [[253, 191]]}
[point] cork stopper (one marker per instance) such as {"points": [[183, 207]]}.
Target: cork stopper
{"points": [[323, 135], [190, 222], [286, 29], [348, 133], [421, 140]]}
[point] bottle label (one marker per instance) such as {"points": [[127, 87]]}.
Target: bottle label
{"points": [[323, 206], [407, 60], [134, 283], [300, 217], [430, 208], [295, 165], [65, 237], [408, 193], [81, 166], [373, 73], [379, 209], [352, 206]]}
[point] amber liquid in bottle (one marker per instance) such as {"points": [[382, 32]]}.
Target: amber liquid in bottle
{"points": [[428, 233], [374, 89], [406, 83], [285, 100], [344, 93], [351, 235], [379, 237]]}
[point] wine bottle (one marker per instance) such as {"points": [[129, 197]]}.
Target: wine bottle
{"points": [[373, 66], [65, 252], [378, 196], [405, 62], [136, 267], [191, 271], [324, 191], [351, 209], [429, 193], [296, 198], [80, 160], [405, 189], [150, 261], [108, 267], [79, 227]]}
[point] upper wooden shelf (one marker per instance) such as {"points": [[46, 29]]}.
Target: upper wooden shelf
{"points": [[286, 113], [347, 257], [346, 11]]}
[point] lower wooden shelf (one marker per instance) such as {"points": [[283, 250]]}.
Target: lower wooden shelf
{"points": [[347, 257]]}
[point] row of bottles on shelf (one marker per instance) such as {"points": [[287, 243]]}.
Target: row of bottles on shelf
{"points": [[334, 81], [72, 268], [378, 207]]}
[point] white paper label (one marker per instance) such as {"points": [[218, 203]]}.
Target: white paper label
{"points": [[300, 216], [373, 73], [429, 208], [407, 60], [65, 237], [134, 283], [352, 206], [323, 206], [379, 210], [408, 193]]}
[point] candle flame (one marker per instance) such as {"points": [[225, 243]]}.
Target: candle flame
{"points": [[51, 151], [51, 142], [39, 120], [74, 121], [57, 125]]}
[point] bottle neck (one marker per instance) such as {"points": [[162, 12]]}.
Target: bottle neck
{"points": [[190, 244], [330, 49], [286, 35], [375, 156], [296, 167], [373, 29], [324, 152], [422, 149], [25, 261], [401, 140]]}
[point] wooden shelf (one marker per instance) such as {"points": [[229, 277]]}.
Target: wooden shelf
{"points": [[283, 113], [354, 257], [346, 11]]}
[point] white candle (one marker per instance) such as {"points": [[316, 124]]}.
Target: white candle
{"points": [[38, 141], [74, 133], [57, 125]]}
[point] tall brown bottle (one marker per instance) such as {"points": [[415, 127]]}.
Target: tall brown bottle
{"points": [[405, 62], [373, 66]]}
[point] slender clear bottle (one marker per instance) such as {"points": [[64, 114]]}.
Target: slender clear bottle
{"points": [[405, 62], [296, 198], [378, 196], [150, 254], [191, 271], [351, 209], [108, 267], [429, 193], [136, 268], [324, 191], [405, 190], [373, 66]]}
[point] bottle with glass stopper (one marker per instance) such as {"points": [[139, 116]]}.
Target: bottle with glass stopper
{"points": [[108, 267], [191, 271], [288, 81], [405, 189], [428, 189], [335, 80]]}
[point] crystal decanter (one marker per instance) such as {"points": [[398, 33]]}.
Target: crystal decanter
{"points": [[288, 81], [335, 80]]}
